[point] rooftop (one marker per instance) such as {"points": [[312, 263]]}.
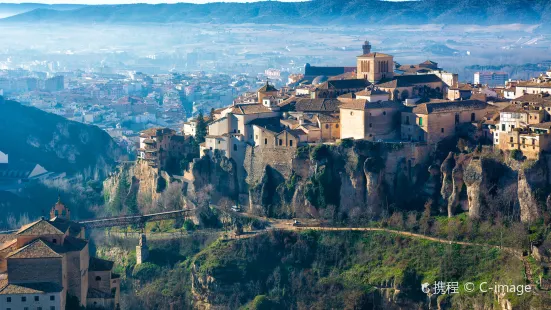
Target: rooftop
{"points": [[317, 105], [449, 106], [410, 80], [98, 264], [41, 227], [36, 249], [376, 55], [29, 288]]}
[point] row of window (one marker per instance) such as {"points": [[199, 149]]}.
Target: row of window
{"points": [[24, 298]]}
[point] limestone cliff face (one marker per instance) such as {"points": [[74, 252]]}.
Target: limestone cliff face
{"points": [[447, 181], [457, 186], [220, 172], [323, 181], [532, 183], [146, 182], [474, 177]]}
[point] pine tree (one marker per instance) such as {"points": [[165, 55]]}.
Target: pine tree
{"points": [[201, 131]]}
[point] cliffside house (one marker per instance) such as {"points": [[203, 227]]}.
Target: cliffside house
{"points": [[524, 125], [158, 146], [377, 120], [45, 260], [434, 121]]}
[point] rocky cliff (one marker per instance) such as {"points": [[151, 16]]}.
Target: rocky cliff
{"points": [[135, 184], [491, 183], [353, 177]]}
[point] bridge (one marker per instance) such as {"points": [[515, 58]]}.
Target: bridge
{"points": [[138, 219]]}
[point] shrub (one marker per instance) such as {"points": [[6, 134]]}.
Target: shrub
{"points": [[189, 225], [516, 154], [320, 152], [146, 271]]}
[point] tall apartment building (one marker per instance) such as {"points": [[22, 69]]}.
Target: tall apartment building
{"points": [[56, 83], [491, 79]]}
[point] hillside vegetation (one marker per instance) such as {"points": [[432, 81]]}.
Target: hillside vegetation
{"points": [[54, 142]]}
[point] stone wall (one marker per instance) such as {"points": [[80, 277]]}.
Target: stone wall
{"points": [[279, 159]]}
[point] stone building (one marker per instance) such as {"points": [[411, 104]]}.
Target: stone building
{"points": [[160, 146], [403, 87], [374, 67], [524, 125], [45, 260], [434, 121], [335, 88], [361, 119]]}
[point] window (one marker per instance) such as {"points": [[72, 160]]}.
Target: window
{"points": [[502, 127], [290, 142], [52, 297], [457, 118], [36, 298], [8, 299], [511, 139], [370, 125], [256, 137], [38, 308], [23, 299], [473, 117], [280, 142], [52, 308], [265, 141], [53, 241], [351, 113], [420, 121], [337, 126], [384, 112], [326, 126], [98, 278], [442, 130], [235, 147], [407, 120]]}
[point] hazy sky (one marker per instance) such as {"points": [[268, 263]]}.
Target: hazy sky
{"points": [[130, 1]]}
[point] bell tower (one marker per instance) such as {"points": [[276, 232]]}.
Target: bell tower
{"points": [[366, 48], [60, 210]]}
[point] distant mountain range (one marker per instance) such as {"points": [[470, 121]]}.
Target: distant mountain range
{"points": [[313, 12], [9, 9]]}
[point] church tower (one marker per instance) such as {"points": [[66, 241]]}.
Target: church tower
{"points": [[60, 210], [366, 48]]}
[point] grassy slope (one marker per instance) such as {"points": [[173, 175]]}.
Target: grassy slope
{"points": [[299, 269]]}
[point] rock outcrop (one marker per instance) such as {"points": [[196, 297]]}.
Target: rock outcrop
{"points": [[532, 188], [218, 172], [358, 178]]}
